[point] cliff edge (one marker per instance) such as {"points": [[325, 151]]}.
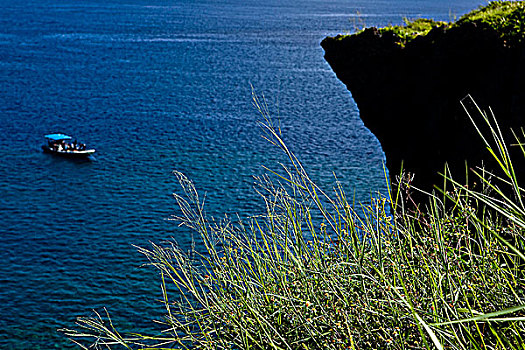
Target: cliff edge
{"points": [[408, 82]]}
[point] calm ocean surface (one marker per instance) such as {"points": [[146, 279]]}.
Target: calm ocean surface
{"points": [[156, 86]]}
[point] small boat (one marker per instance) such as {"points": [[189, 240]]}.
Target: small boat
{"points": [[61, 145]]}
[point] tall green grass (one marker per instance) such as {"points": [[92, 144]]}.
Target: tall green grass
{"points": [[315, 272]]}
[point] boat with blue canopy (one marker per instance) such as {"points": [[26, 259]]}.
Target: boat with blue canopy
{"points": [[64, 145]]}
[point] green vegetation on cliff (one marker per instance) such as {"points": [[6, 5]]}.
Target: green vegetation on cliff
{"points": [[505, 17], [412, 29], [407, 85]]}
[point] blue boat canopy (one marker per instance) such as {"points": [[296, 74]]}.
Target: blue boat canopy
{"points": [[57, 137]]}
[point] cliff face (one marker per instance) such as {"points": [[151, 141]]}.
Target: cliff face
{"points": [[409, 93]]}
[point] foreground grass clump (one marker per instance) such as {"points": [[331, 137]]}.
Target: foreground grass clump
{"points": [[312, 273]]}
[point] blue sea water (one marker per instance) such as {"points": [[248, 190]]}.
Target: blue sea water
{"points": [[157, 86]]}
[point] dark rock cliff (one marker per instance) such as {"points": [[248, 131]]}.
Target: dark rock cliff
{"points": [[409, 94]]}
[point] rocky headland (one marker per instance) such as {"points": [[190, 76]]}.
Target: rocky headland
{"points": [[408, 81]]}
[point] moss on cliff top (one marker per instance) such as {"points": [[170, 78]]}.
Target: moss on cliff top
{"points": [[495, 13], [412, 29], [506, 17]]}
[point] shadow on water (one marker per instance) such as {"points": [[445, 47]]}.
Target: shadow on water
{"points": [[57, 159]]}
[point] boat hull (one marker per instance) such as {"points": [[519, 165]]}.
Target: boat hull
{"points": [[69, 154]]}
